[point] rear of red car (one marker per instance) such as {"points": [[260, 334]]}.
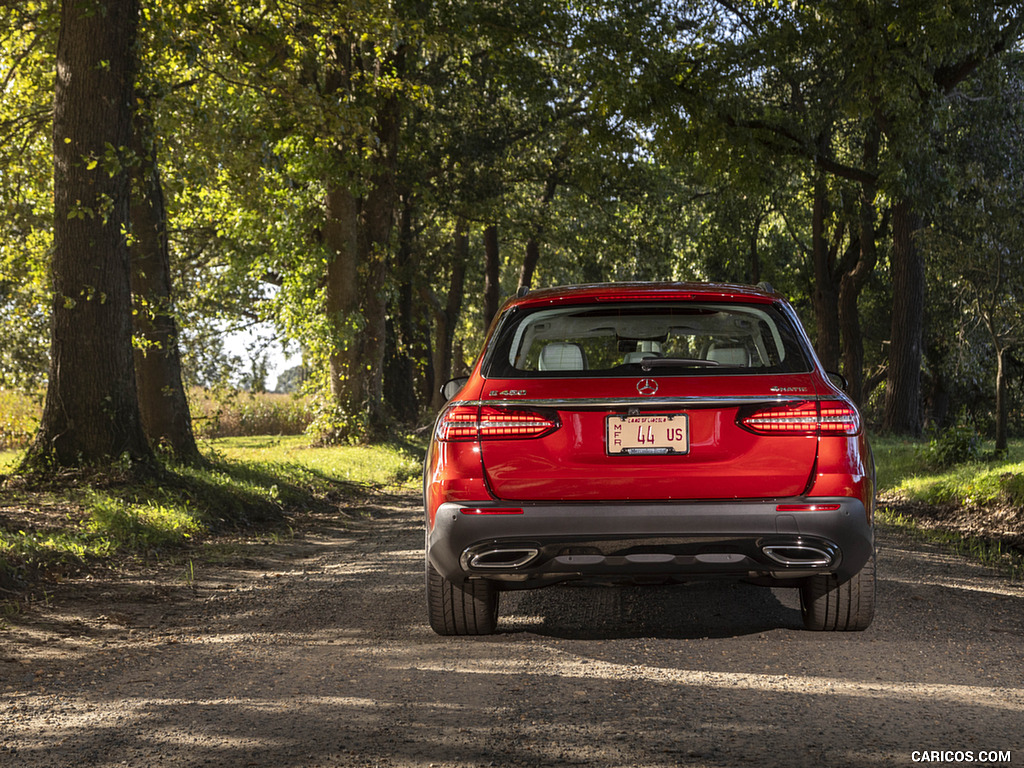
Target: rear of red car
{"points": [[666, 431]]}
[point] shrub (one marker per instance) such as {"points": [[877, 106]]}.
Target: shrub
{"points": [[230, 413], [957, 444]]}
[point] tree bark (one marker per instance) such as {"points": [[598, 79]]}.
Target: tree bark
{"points": [[162, 402], [902, 413], [342, 291], [376, 222], [399, 370], [1002, 404], [533, 242], [492, 275], [91, 414], [357, 234], [854, 280], [447, 317], [529, 262], [826, 299]]}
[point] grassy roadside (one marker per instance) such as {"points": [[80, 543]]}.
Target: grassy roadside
{"points": [[974, 508], [250, 484]]}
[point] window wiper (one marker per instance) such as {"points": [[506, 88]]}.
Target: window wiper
{"points": [[676, 362]]}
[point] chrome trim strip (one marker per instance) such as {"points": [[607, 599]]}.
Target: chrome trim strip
{"points": [[657, 402]]}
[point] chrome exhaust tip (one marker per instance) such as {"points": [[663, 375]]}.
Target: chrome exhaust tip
{"points": [[499, 557], [799, 553]]}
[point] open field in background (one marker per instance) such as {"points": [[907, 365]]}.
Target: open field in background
{"points": [[19, 415], [215, 413]]}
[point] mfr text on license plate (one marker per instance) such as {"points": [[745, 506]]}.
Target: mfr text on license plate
{"points": [[660, 433]]}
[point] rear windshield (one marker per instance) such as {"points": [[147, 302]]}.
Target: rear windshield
{"points": [[627, 338]]}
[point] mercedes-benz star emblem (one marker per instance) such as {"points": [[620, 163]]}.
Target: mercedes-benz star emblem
{"points": [[647, 386]]}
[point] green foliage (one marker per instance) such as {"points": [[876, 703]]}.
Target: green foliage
{"points": [[27, 65], [225, 412], [19, 417], [993, 554], [907, 468], [956, 444], [678, 141]]}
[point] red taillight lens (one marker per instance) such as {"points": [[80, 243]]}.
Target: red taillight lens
{"points": [[458, 422], [470, 422], [831, 417], [838, 418], [512, 423]]}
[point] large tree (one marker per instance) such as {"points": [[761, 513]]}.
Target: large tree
{"points": [[830, 82], [91, 414]]}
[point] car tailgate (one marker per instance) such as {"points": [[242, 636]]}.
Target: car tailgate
{"points": [[716, 458]]}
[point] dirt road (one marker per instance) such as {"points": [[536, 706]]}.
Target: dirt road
{"points": [[314, 651]]}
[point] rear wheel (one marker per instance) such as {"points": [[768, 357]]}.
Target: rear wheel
{"points": [[470, 608], [827, 604]]}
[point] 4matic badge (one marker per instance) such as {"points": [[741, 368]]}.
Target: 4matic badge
{"points": [[647, 386]]}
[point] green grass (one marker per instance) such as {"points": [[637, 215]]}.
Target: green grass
{"points": [[906, 468], [389, 465], [252, 484]]}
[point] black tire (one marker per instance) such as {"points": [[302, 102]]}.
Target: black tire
{"points": [[831, 606], [470, 608]]}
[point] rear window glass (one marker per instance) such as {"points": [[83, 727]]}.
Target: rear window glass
{"points": [[627, 338]]}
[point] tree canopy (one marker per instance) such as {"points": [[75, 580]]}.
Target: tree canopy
{"points": [[368, 179]]}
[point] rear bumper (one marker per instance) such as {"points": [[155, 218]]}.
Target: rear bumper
{"points": [[780, 540]]}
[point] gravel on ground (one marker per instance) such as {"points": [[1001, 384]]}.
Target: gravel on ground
{"points": [[314, 650]]}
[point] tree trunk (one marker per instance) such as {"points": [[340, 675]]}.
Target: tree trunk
{"points": [[1002, 404], [826, 299], [529, 262], [91, 414], [854, 280], [902, 414], [850, 287], [342, 293], [492, 275], [399, 371], [376, 221], [447, 317], [162, 402], [357, 234], [533, 242]]}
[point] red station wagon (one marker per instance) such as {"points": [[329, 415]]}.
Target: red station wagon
{"points": [[655, 430]]}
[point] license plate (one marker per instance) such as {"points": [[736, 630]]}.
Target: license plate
{"points": [[652, 435]]}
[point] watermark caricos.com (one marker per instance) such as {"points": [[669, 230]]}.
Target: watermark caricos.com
{"points": [[980, 757]]}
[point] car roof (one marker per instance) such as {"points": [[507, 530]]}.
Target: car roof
{"points": [[639, 291]]}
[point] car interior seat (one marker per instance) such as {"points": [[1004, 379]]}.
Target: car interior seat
{"points": [[561, 356], [729, 354]]}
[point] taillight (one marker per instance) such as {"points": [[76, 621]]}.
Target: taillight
{"points": [[470, 422], [831, 417], [838, 418], [458, 422]]}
